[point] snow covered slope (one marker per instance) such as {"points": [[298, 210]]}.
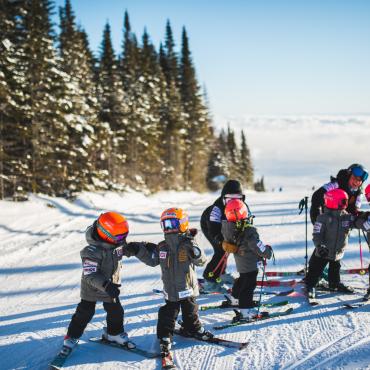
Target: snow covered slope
{"points": [[40, 272]]}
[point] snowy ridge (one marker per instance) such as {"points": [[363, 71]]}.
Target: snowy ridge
{"points": [[40, 273]]}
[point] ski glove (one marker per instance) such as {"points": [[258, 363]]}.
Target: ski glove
{"points": [[268, 251], [112, 289], [131, 249], [229, 247], [321, 251]]}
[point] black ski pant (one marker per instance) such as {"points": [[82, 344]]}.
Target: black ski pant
{"points": [[85, 311], [244, 287], [218, 254], [167, 316], [316, 267]]}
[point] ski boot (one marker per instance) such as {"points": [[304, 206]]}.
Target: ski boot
{"points": [[121, 339], [68, 344], [166, 354], [230, 301], [203, 334], [244, 314], [311, 292], [340, 287]]}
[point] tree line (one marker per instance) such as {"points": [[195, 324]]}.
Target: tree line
{"points": [[73, 121]]}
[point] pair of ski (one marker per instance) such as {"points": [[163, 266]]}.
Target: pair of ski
{"points": [[265, 283], [261, 316], [61, 357], [228, 304], [277, 293], [359, 271], [167, 362]]}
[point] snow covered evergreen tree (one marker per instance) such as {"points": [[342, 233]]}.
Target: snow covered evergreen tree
{"points": [[113, 113], [82, 115], [245, 166], [173, 118], [197, 127], [47, 103], [15, 134]]}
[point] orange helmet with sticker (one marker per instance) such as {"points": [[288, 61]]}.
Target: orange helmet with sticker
{"points": [[112, 227], [174, 220]]}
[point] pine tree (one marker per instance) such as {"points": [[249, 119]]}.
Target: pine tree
{"points": [[113, 112], [233, 156], [44, 90], [173, 123], [245, 167], [82, 113], [15, 139], [197, 127], [152, 90]]}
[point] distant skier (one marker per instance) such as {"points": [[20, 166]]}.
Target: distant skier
{"points": [[330, 236], [176, 254], [242, 239], [100, 281], [350, 181], [215, 271]]}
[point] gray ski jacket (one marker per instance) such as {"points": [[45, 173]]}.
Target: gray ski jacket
{"points": [[101, 262], [177, 255], [251, 250], [332, 229]]}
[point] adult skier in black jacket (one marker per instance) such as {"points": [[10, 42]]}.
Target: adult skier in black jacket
{"points": [[350, 180], [210, 223]]}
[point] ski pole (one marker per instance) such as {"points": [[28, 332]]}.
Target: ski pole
{"points": [[362, 272], [303, 204], [221, 264], [263, 278]]}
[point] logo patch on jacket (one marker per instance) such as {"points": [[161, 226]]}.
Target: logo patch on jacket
{"points": [[89, 267], [317, 227], [119, 252], [215, 215], [162, 255]]}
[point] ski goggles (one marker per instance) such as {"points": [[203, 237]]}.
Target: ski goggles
{"points": [[173, 225], [118, 239], [228, 197], [360, 172]]}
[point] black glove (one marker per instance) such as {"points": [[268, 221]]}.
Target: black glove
{"points": [[321, 251], [112, 289], [268, 251], [130, 249]]}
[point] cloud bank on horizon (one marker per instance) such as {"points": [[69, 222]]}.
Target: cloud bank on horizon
{"points": [[302, 151]]}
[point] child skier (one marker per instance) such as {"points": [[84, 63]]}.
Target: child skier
{"points": [[176, 254], [100, 281], [242, 239], [330, 237]]}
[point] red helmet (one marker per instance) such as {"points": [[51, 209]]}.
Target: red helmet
{"points": [[236, 210], [112, 227], [336, 199], [367, 193]]}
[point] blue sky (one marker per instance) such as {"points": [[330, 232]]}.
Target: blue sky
{"points": [[267, 57]]}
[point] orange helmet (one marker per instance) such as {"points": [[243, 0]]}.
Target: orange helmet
{"points": [[174, 220], [112, 227], [236, 210]]}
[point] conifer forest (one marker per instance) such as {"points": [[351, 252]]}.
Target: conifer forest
{"points": [[73, 119]]}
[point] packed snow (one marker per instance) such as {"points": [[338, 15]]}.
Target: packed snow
{"points": [[40, 273]]}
